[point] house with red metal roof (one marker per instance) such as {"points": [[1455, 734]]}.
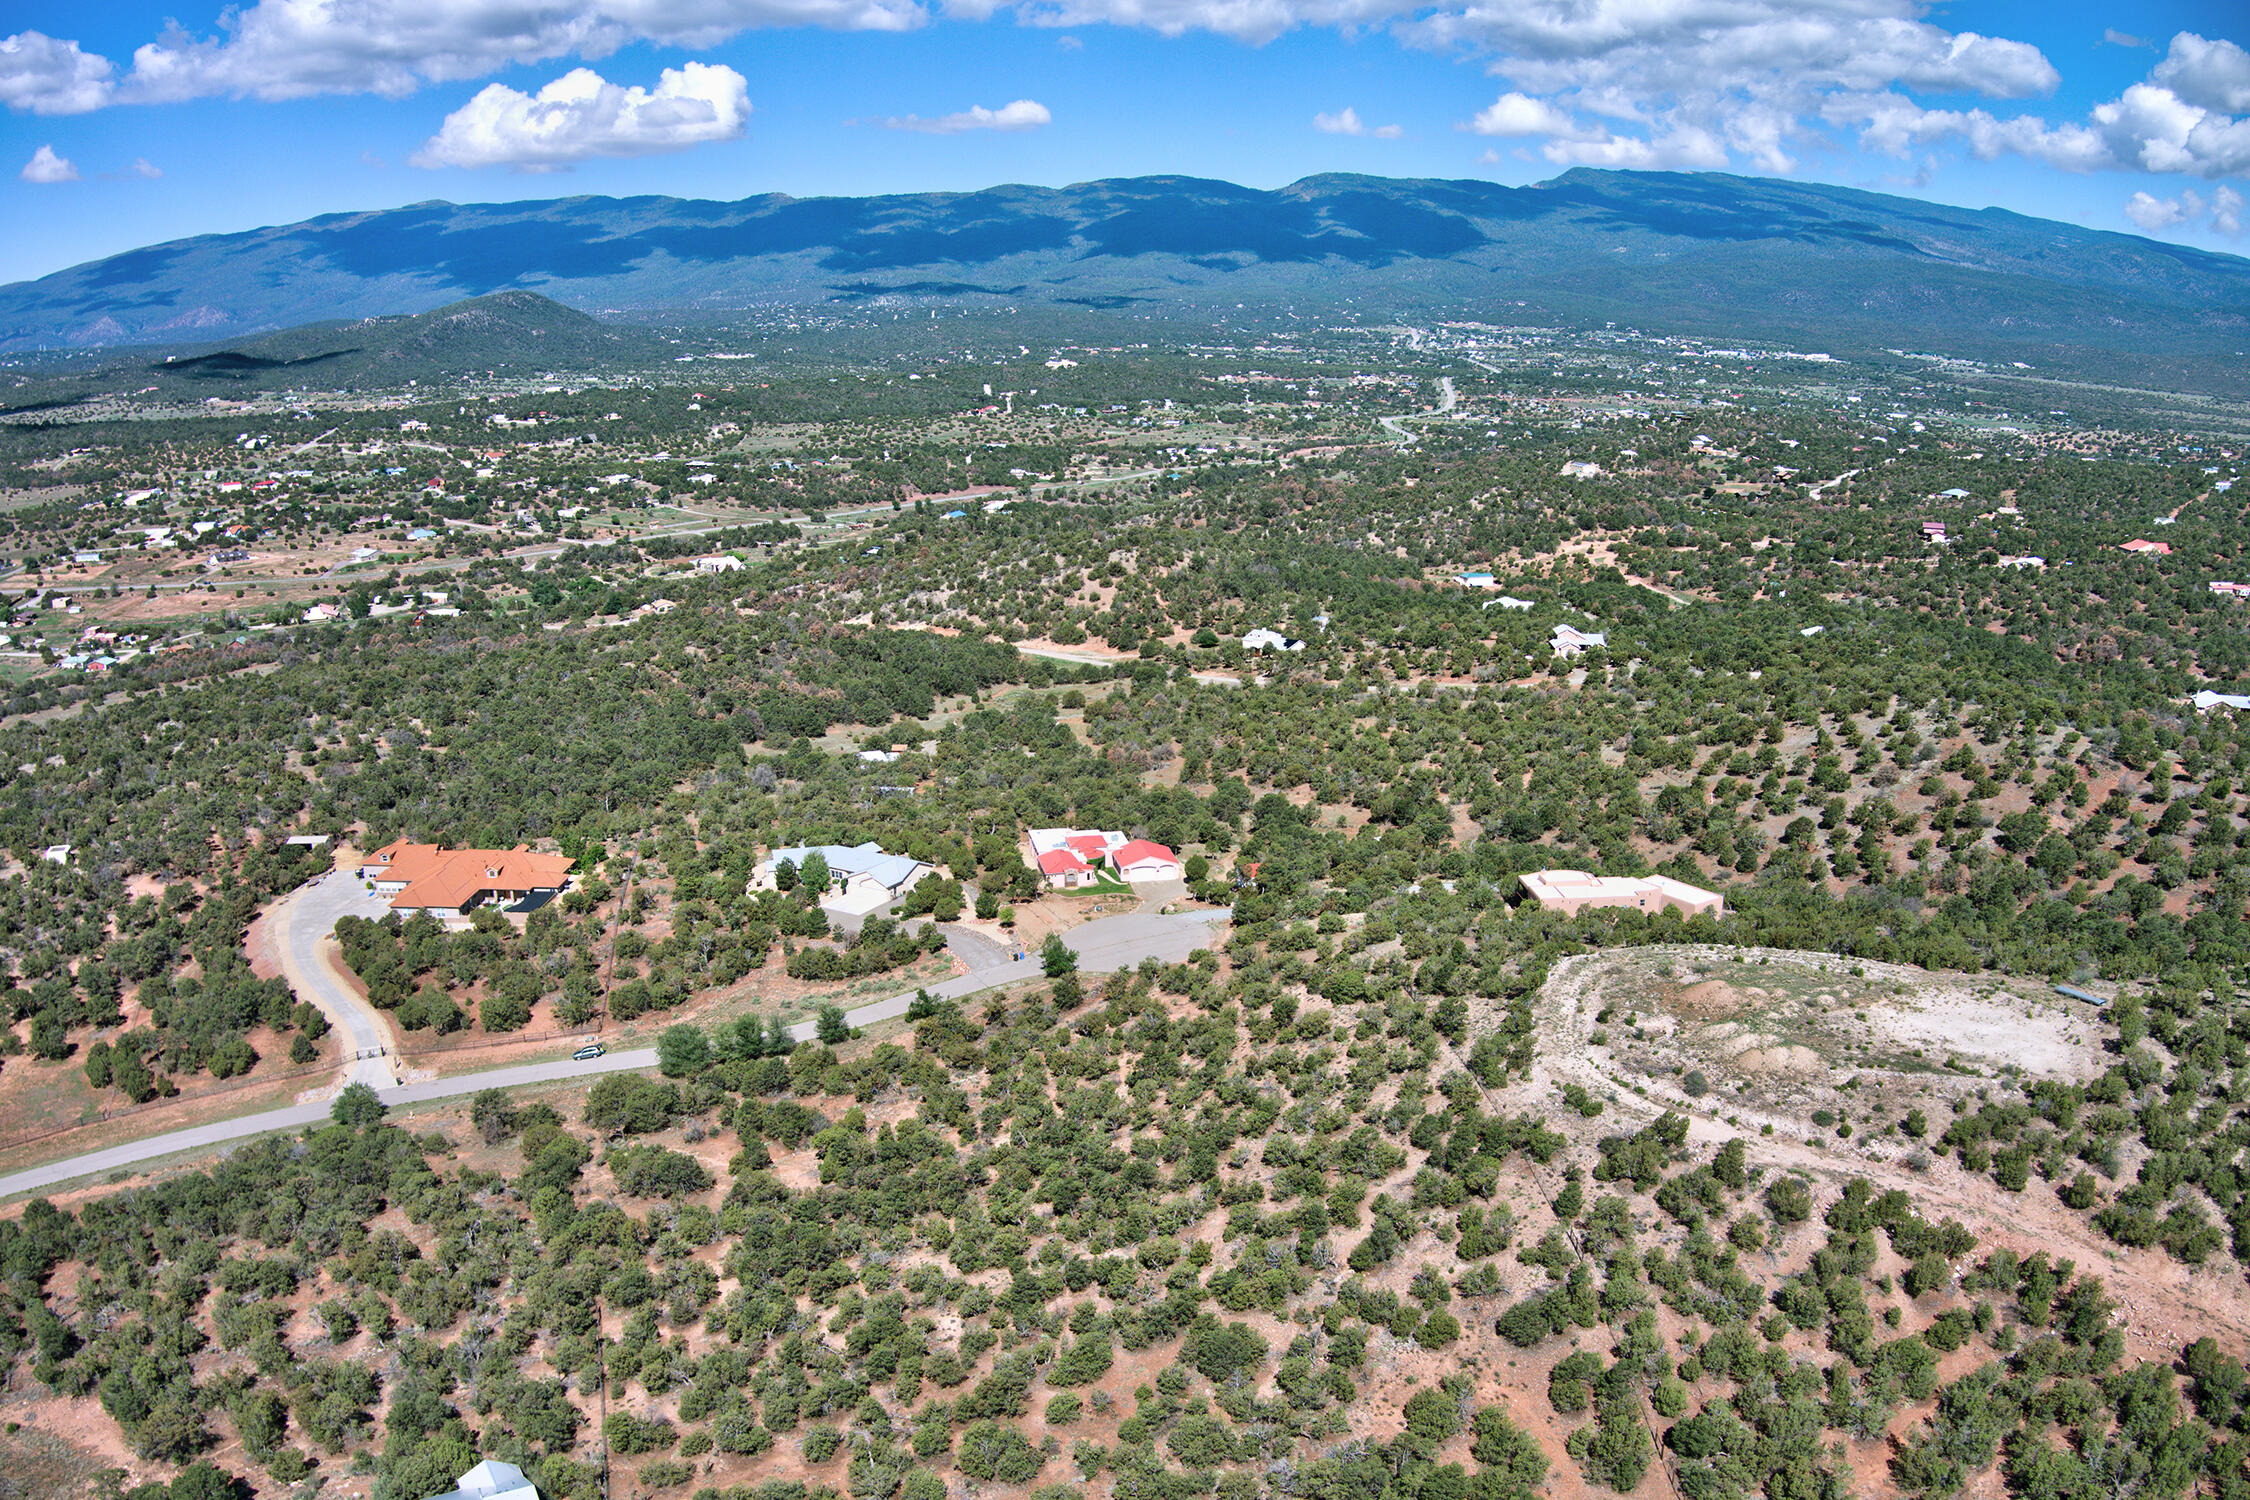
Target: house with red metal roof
{"points": [[1065, 871], [1141, 859]]}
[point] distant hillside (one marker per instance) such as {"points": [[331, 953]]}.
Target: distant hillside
{"points": [[510, 333], [1707, 254], [503, 331]]}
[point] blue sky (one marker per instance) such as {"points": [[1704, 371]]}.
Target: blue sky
{"points": [[129, 123]]}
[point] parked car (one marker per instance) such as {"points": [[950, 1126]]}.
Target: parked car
{"points": [[588, 1052]]}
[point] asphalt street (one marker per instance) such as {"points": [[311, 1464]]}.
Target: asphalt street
{"points": [[307, 916], [1103, 946]]}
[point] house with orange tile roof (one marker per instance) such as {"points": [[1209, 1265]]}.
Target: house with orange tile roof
{"points": [[448, 882]]}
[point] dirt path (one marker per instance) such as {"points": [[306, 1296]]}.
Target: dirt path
{"points": [[2165, 1304]]}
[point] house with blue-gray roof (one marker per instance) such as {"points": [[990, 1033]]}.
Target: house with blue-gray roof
{"points": [[862, 878]]}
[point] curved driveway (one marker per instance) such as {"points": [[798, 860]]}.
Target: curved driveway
{"points": [[302, 923], [1103, 946]]}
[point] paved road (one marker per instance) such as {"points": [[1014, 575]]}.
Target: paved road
{"points": [[1447, 400], [975, 949], [1103, 946], [304, 920]]}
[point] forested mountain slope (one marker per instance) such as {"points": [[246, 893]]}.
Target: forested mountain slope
{"points": [[1706, 253]]}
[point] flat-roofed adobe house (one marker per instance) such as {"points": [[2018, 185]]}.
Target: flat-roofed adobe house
{"points": [[1573, 891], [447, 882]]}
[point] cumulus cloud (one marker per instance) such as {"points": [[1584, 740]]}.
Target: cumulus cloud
{"points": [[1346, 121], [2222, 211], [1706, 83], [1618, 82], [42, 76], [2191, 117], [582, 115], [45, 166], [287, 49], [1022, 114], [1514, 114], [2213, 75]]}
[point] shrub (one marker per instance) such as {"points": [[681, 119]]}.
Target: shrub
{"points": [[995, 1451]]}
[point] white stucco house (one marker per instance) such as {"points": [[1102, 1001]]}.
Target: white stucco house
{"points": [[1569, 640], [492, 1480], [862, 878]]}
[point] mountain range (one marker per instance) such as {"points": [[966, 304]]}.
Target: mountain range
{"points": [[1703, 254]]}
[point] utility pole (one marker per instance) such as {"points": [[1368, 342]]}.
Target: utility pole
{"points": [[601, 1382]]}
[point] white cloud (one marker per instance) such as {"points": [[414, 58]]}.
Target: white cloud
{"points": [[1569, 143], [1709, 83], [1514, 114], [582, 115], [1347, 122], [2111, 36], [43, 76], [2182, 121], [286, 49], [1253, 21], [45, 166], [144, 168], [2213, 75], [1023, 114], [1622, 82], [2222, 211], [2153, 213]]}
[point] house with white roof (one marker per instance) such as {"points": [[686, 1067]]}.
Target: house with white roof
{"points": [[1261, 640], [1573, 891], [492, 1480]]}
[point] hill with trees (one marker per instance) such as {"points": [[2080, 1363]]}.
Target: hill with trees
{"points": [[1704, 254]]}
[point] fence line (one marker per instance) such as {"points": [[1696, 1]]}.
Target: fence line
{"points": [[510, 1039], [126, 1111]]}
